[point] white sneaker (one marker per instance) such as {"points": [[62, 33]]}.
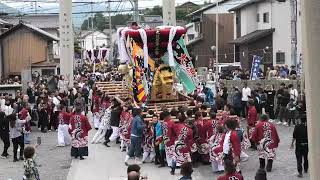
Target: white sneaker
{"points": [[278, 122], [285, 123], [271, 120]]}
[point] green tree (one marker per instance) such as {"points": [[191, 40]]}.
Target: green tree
{"points": [[99, 22]]}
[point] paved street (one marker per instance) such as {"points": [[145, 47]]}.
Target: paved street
{"points": [[107, 163], [54, 161]]}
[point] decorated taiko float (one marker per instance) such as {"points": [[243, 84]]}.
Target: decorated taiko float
{"points": [[153, 61]]}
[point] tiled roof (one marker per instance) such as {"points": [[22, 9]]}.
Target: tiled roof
{"points": [[40, 21], [251, 37], [32, 28]]}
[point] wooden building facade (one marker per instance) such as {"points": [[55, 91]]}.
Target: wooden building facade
{"points": [[22, 46]]}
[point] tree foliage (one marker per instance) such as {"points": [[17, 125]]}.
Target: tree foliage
{"points": [[101, 22]]}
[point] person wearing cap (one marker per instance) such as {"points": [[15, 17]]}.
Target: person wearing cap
{"points": [[266, 137], [300, 137]]}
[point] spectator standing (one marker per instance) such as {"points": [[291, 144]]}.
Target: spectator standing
{"points": [[270, 93], [300, 137], [4, 134], [236, 101], [246, 93]]}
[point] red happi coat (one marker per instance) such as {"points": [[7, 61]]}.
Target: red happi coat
{"points": [[168, 132], [23, 114], [184, 144], [235, 146], [148, 144], [96, 104], [216, 147], [252, 116], [265, 133], [231, 176], [125, 126], [201, 141], [211, 127], [79, 128], [64, 118]]}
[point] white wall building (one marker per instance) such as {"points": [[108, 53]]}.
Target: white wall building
{"points": [[90, 40], [255, 17]]}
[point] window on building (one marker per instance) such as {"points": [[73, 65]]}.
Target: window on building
{"points": [[280, 58], [266, 17], [258, 17]]}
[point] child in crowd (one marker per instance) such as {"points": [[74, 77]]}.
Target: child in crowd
{"points": [[30, 166], [186, 171]]}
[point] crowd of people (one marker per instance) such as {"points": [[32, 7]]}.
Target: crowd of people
{"points": [[210, 130], [277, 72]]}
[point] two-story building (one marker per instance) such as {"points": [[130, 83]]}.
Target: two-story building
{"points": [[267, 28], [202, 33], [93, 39]]}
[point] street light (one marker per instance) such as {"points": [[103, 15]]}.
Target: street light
{"points": [[215, 64]]}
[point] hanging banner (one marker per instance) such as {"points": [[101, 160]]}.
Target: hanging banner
{"points": [[256, 62]]}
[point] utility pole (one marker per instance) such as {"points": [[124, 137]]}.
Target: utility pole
{"points": [[136, 17], [92, 41], [110, 34], [217, 43], [66, 40], [311, 42], [169, 12], [293, 5]]}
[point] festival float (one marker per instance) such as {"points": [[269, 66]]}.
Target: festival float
{"points": [[154, 61]]}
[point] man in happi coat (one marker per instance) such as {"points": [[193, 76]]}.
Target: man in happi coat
{"points": [[202, 144], [184, 144], [96, 109], [231, 143], [215, 134], [266, 136], [79, 128], [168, 136], [125, 127], [148, 143], [64, 120], [252, 117]]}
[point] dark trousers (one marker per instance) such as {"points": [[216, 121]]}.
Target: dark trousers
{"points": [[159, 155], [237, 111], [6, 141], [54, 121], [244, 109], [270, 110], [108, 134], [302, 153], [135, 146], [263, 164], [283, 114], [291, 117], [18, 141]]}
